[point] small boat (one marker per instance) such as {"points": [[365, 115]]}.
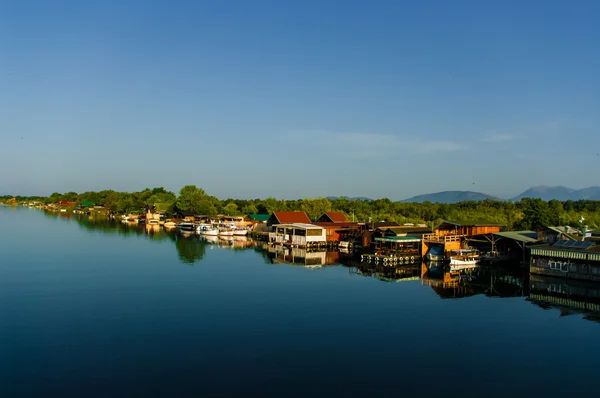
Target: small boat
{"points": [[240, 231], [153, 222], [207, 230], [170, 224], [463, 260], [225, 231], [186, 226]]}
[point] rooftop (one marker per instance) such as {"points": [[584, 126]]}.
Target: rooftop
{"points": [[299, 225], [291, 217], [520, 236], [259, 217]]}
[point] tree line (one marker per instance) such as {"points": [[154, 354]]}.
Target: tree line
{"points": [[528, 213]]}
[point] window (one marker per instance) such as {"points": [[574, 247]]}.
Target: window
{"points": [[313, 232]]}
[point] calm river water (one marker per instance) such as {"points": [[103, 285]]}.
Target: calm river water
{"points": [[93, 309]]}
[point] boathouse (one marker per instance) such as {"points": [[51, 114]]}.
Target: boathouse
{"points": [[333, 217], [288, 217], [298, 234], [567, 259], [341, 231]]}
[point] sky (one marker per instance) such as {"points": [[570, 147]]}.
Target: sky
{"points": [[295, 99]]}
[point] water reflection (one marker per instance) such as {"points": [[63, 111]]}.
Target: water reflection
{"points": [[566, 296]]}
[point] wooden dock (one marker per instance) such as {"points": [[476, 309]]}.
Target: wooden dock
{"points": [[391, 259]]}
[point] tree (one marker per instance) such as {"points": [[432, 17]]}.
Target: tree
{"points": [[536, 214], [191, 198], [230, 209]]}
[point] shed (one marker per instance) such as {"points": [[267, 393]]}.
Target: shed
{"points": [[465, 228]]}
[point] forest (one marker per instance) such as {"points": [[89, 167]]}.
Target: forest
{"points": [[526, 214]]}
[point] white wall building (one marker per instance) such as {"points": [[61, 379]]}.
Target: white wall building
{"points": [[298, 234]]}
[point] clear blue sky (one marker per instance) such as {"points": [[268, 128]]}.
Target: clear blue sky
{"points": [[299, 98]]}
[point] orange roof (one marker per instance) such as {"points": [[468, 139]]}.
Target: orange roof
{"points": [[289, 217], [336, 216]]}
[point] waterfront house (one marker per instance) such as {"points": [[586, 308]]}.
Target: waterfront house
{"points": [[298, 234], [554, 234], [257, 222], [288, 217], [567, 259], [465, 229], [333, 217], [185, 215], [341, 231]]}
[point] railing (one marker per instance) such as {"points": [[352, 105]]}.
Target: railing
{"points": [[444, 238]]}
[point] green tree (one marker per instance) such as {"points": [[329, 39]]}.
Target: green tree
{"points": [[192, 198], [536, 214]]}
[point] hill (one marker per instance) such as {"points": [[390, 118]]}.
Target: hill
{"points": [[560, 193], [449, 197]]}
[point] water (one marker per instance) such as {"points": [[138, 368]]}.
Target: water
{"points": [[100, 310]]}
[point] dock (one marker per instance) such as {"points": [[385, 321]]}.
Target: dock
{"points": [[390, 259]]}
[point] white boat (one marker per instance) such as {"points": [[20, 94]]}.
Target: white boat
{"points": [[153, 222], [225, 231], [463, 260], [207, 230], [240, 231], [170, 224]]}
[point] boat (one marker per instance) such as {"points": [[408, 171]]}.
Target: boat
{"points": [[186, 226], [207, 229], [170, 224], [153, 222], [466, 259], [240, 231], [495, 257], [225, 231]]}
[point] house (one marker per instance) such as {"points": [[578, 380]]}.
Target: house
{"points": [[87, 203], [341, 231], [288, 217], [67, 203], [185, 215], [567, 259], [257, 222], [298, 234], [554, 234], [333, 216], [465, 229]]}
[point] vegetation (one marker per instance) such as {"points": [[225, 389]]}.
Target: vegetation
{"points": [[525, 214]]}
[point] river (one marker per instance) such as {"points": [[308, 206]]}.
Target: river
{"points": [[90, 308]]}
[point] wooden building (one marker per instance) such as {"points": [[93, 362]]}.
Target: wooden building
{"points": [[341, 231], [298, 235], [567, 259], [333, 217], [288, 217]]}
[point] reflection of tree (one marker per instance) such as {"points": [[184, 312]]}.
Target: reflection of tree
{"points": [[190, 249]]}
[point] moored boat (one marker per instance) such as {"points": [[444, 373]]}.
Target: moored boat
{"points": [[186, 226], [240, 231], [207, 230]]}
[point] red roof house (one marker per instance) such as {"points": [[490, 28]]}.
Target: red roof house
{"points": [[288, 217], [333, 216]]}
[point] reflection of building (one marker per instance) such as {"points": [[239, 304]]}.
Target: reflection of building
{"points": [[301, 256], [490, 281], [569, 296], [387, 273]]}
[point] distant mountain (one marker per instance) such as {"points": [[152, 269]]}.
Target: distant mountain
{"points": [[560, 193], [348, 198], [449, 197]]}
